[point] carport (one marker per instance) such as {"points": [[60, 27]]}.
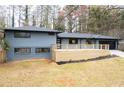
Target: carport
{"points": [[113, 44]]}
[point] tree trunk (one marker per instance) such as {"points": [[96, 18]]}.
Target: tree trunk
{"points": [[13, 16]]}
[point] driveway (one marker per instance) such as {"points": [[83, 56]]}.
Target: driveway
{"points": [[117, 53]]}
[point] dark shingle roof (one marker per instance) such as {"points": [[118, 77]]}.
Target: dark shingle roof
{"points": [[31, 28], [84, 35]]}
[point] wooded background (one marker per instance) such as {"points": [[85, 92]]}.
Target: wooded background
{"points": [[105, 20]]}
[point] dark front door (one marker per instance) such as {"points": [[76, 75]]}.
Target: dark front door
{"points": [[112, 43]]}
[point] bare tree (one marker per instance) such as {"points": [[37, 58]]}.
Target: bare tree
{"points": [[33, 20], [2, 17], [20, 10], [26, 15], [13, 16]]}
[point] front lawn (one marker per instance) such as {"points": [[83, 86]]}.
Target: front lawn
{"points": [[40, 72]]}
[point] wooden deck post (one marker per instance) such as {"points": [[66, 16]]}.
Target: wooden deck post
{"points": [[100, 46], [93, 46]]}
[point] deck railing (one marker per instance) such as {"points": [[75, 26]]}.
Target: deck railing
{"points": [[81, 46]]}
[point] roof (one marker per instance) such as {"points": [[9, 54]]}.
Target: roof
{"points": [[83, 35], [31, 29]]}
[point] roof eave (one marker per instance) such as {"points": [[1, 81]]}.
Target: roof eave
{"points": [[91, 38], [31, 30]]}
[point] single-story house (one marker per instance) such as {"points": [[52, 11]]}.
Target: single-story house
{"points": [[35, 42], [79, 38]]}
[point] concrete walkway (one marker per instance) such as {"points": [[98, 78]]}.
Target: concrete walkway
{"points": [[117, 53]]}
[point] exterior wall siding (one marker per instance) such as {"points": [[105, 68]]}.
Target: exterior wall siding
{"points": [[64, 41], [37, 40]]}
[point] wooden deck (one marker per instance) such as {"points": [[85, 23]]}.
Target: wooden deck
{"points": [[81, 46], [78, 52]]}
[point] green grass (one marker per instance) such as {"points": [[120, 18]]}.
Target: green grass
{"points": [[106, 72]]}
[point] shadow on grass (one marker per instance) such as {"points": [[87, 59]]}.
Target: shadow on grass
{"points": [[79, 61]]}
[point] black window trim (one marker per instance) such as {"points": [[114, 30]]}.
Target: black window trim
{"points": [[42, 48], [20, 52], [88, 41], [51, 34], [73, 39], [22, 36]]}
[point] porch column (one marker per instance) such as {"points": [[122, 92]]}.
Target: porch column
{"points": [[97, 44], [116, 43]]}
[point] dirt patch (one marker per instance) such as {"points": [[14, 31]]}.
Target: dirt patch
{"points": [[88, 60], [31, 60], [65, 81]]}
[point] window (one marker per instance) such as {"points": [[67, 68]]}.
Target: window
{"points": [[88, 41], [73, 41], [51, 33], [42, 50], [22, 34], [22, 50]]}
